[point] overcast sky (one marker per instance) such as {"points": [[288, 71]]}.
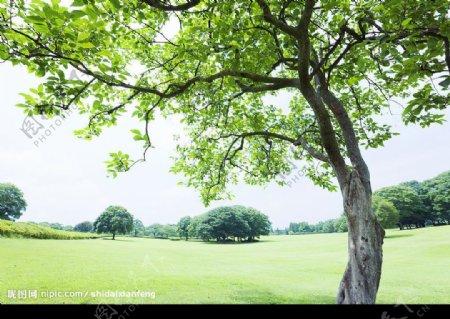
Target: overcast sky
{"points": [[64, 179]]}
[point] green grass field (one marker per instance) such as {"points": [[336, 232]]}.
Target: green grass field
{"points": [[279, 269]]}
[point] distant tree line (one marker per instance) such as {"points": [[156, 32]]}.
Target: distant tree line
{"points": [[414, 204], [232, 223], [338, 225], [407, 205]]}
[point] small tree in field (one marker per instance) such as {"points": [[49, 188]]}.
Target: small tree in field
{"points": [[12, 203], [114, 220]]}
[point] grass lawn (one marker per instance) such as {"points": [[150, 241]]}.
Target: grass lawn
{"points": [[279, 269]]}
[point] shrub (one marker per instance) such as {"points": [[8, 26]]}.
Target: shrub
{"points": [[30, 230]]}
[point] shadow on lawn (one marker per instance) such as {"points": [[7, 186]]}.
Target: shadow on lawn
{"points": [[398, 235], [230, 242]]}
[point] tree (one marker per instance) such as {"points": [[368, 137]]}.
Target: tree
{"points": [[341, 61], [154, 230], [183, 227], [436, 192], [304, 227], [328, 226], [167, 231], [407, 202], [84, 227], [386, 213], [340, 224], [258, 223], [115, 220], [12, 202], [138, 228], [294, 227]]}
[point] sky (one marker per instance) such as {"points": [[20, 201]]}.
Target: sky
{"points": [[64, 178]]}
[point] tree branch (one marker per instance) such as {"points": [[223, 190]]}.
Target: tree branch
{"points": [[169, 7], [277, 22]]}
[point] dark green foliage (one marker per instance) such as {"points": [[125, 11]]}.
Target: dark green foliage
{"points": [[84, 227], [114, 220], [387, 214], [436, 194], [161, 231], [138, 228], [12, 203], [236, 222], [183, 227]]}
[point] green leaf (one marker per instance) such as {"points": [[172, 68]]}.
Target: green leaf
{"points": [[445, 84], [83, 36], [86, 45], [78, 3], [78, 13], [406, 22]]}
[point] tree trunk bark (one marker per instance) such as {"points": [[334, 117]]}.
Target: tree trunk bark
{"points": [[114, 236], [361, 279]]}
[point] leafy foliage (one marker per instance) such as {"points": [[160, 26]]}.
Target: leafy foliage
{"points": [[31, 230], [223, 62], [114, 220], [84, 227], [12, 203], [387, 214], [234, 221], [183, 227]]}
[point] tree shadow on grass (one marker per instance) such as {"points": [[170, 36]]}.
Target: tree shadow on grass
{"points": [[117, 239], [399, 235], [234, 242]]}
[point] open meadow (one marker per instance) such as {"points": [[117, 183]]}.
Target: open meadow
{"points": [[278, 269]]}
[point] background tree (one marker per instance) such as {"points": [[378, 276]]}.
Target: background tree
{"points": [[304, 227], [258, 223], [341, 61], [224, 223], [386, 213], [437, 197], [167, 231], [12, 202], [340, 224], [294, 227], [183, 227], [138, 228], [56, 226], [407, 202], [84, 227], [154, 230], [114, 220]]}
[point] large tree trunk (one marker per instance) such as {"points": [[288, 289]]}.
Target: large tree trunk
{"points": [[361, 279]]}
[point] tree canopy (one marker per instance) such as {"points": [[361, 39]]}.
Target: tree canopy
{"points": [[114, 220], [221, 223], [216, 70], [12, 202], [417, 203], [387, 214], [84, 227]]}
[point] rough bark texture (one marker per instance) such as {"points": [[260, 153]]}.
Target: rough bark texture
{"points": [[361, 278]]}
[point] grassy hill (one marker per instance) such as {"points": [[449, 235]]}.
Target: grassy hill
{"points": [[279, 269], [30, 230]]}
